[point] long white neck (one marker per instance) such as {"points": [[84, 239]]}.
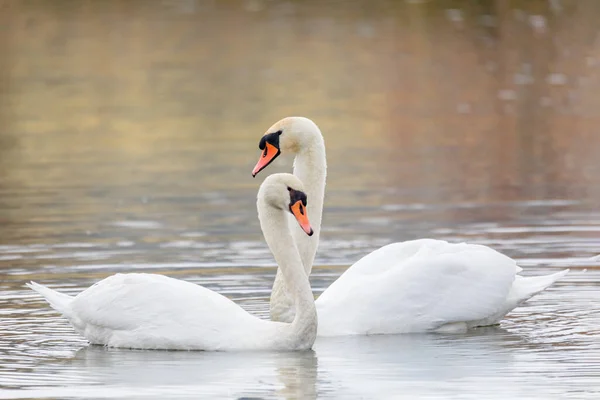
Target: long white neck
{"points": [[310, 165], [274, 224]]}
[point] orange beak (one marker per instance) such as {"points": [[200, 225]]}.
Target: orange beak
{"points": [[299, 212], [267, 157]]}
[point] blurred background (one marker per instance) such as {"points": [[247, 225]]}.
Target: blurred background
{"points": [[129, 129]]}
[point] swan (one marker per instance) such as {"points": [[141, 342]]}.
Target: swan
{"points": [[148, 311], [414, 286]]}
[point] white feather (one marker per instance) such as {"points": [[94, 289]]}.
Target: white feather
{"points": [[424, 285]]}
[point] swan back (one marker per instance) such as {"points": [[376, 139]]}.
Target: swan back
{"points": [[417, 286]]}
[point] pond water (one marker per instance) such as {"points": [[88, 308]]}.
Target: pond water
{"points": [[128, 131]]}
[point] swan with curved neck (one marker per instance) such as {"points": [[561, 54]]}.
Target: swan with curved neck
{"points": [[414, 286], [302, 138], [149, 311]]}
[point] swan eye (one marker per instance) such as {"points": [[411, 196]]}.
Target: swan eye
{"points": [[289, 189]]}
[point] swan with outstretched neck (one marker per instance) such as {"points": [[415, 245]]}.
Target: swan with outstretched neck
{"points": [[414, 286], [149, 311]]}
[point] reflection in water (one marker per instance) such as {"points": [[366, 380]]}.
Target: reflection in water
{"points": [[131, 372], [256, 374], [489, 362], [128, 130]]}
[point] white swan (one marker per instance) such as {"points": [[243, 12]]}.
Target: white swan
{"points": [[150, 311], [415, 286]]}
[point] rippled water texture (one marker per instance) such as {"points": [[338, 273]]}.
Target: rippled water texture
{"points": [[128, 131]]}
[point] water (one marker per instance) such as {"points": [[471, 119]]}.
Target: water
{"points": [[128, 131]]}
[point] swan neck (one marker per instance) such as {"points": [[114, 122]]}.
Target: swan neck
{"points": [[310, 163], [274, 225], [310, 166]]}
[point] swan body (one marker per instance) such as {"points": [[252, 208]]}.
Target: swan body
{"points": [[415, 286], [425, 285], [149, 311]]}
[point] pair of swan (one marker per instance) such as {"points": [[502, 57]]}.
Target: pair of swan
{"points": [[415, 286]]}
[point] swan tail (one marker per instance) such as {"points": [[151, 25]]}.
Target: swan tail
{"points": [[523, 289], [59, 301], [526, 287]]}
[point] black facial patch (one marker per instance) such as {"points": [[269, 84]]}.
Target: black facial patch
{"points": [[296, 195], [271, 138]]}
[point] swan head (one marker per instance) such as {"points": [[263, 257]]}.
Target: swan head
{"points": [[286, 192], [287, 136]]}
